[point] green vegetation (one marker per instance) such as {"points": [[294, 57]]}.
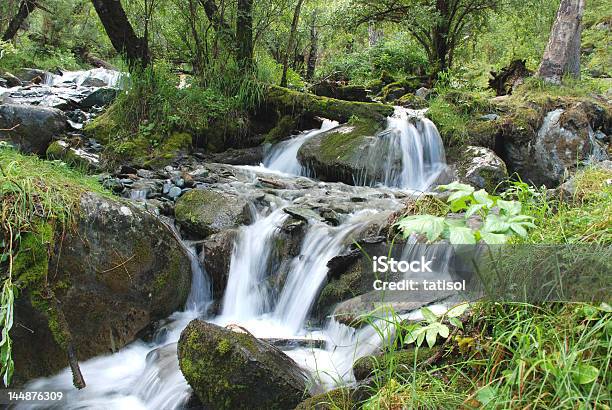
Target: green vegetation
{"points": [[39, 198]]}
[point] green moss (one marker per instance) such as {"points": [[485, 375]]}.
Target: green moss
{"points": [[375, 86], [340, 398], [152, 151], [223, 347], [343, 143], [410, 100], [104, 127], [282, 129]]}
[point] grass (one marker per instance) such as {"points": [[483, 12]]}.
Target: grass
{"points": [[37, 198], [554, 355]]}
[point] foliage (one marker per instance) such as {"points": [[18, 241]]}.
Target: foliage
{"points": [[31, 190], [434, 326], [500, 219]]}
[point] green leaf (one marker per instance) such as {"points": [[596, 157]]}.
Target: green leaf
{"points": [[457, 310], [585, 373], [493, 238], [509, 207], [432, 335], [461, 235], [455, 322], [495, 224], [428, 315], [483, 198], [431, 226], [443, 330], [473, 209], [486, 394]]}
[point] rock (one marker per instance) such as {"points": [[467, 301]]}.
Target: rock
{"points": [[412, 101], [508, 78], [481, 168], [233, 370], [339, 398], [93, 82], [216, 256], [77, 157], [341, 92], [490, 117], [238, 156], [303, 214], [343, 152], [423, 92], [118, 270], [174, 192], [29, 74], [29, 127], [11, 80], [100, 97], [205, 212]]}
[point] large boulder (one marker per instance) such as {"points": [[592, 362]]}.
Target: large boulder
{"points": [[481, 168], [118, 269], [216, 256], [341, 92], [230, 370], [343, 153], [29, 127], [205, 212]]}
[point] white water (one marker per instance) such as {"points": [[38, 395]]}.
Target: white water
{"points": [[282, 157], [410, 153], [112, 78]]}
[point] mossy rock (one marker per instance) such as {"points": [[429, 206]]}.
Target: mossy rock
{"points": [[283, 129], [395, 90], [230, 370], [297, 104], [409, 100], [341, 398], [112, 274], [104, 127], [341, 154], [206, 212], [403, 361], [61, 150]]}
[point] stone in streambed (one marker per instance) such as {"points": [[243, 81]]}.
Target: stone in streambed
{"points": [[216, 256], [29, 127], [205, 212], [230, 370], [481, 168]]}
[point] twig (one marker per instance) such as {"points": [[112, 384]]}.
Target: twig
{"points": [[10, 129]]}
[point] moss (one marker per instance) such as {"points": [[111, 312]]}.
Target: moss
{"points": [[152, 152], [341, 398], [297, 104], [223, 347], [410, 100], [282, 129], [61, 151], [104, 127], [375, 86], [343, 143]]}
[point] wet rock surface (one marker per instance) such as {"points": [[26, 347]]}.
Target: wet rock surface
{"points": [[234, 370], [29, 127]]}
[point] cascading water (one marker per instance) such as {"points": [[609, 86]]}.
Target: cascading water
{"points": [[282, 157], [246, 296], [104, 76], [142, 375]]}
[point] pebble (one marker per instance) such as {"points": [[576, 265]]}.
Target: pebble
{"points": [[175, 192]]}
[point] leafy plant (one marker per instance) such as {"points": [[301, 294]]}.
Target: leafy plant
{"points": [[434, 327], [501, 219]]}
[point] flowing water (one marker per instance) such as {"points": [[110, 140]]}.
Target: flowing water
{"points": [[145, 375]]}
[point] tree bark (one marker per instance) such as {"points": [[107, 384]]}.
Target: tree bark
{"points": [[562, 54], [26, 7], [311, 60], [244, 34], [121, 33], [290, 43], [375, 35]]}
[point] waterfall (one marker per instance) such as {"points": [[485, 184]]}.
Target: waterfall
{"points": [[246, 296], [110, 78], [410, 153], [309, 270], [282, 157]]}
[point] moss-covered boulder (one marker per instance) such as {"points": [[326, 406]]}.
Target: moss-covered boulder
{"points": [[341, 398], [110, 275], [230, 370], [205, 212], [29, 127], [481, 168], [412, 101], [303, 108], [341, 92], [61, 150], [342, 153]]}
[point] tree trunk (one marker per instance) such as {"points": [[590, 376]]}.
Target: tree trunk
{"points": [[290, 44], [440, 40], [311, 61], [244, 34], [374, 35], [26, 7], [562, 54], [121, 33]]}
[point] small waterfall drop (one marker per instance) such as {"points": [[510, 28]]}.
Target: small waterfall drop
{"points": [[246, 297], [100, 77], [282, 157]]}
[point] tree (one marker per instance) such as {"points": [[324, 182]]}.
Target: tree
{"points": [[25, 8], [291, 41], [244, 34], [562, 54], [311, 60], [121, 33], [437, 25]]}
